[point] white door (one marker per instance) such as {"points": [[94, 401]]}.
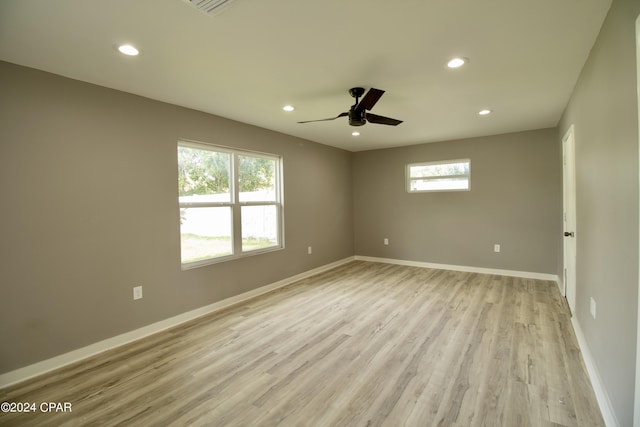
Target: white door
{"points": [[569, 217]]}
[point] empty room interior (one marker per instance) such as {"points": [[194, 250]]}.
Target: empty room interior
{"points": [[336, 213]]}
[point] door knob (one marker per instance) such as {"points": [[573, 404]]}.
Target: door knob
{"points": [[569, 234]]}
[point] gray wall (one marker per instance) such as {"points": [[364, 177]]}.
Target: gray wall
{"points": [[604, 110], [515, 200], [88, 177]]}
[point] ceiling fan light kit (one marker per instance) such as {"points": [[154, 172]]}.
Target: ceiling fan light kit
{"points": [[358, 113]]}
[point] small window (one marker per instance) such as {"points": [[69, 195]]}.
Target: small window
{"points": [[449, 175], [230, 203]]}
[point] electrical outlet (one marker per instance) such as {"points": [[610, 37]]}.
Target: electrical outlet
{"points": [[309, 250], [592, 308], [386, 241], [137, 292], [496, 247]]}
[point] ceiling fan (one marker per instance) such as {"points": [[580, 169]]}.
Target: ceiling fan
{"points": [[358, 113]]}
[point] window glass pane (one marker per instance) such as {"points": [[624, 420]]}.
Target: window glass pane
{"points": [[439, 176], [259, 227], [203, 175], [256, 179], [443, 169], [439, 184], [205, 233]]}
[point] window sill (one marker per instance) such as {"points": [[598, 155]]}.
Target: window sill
{"points": [[218, 260]]}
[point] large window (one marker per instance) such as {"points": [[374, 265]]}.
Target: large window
{"points": [[230, 203], [450, 175]]}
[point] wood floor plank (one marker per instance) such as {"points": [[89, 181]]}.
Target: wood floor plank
{"points": [[364, 344]]}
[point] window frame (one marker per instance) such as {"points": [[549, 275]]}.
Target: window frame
{"points": [[409, 179], [235, 204]]}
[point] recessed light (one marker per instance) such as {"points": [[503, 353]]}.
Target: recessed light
{"points": [[355, 133], [128, 49], [288, 108], [457, 62], [484, 112]]}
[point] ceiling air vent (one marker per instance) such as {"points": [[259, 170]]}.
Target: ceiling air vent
{"points": [[210, 7]]}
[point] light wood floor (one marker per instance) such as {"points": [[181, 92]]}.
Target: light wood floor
{"points": [[365, 344]]}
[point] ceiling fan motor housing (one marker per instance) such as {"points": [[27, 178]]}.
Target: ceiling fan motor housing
{"points": [[356, 117]]}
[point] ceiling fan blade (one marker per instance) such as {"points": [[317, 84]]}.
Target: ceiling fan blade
{"points": [[370, 99], [381, 120], [324, 120]]}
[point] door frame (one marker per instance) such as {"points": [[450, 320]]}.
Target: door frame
{"points": [[569, 218], [636, 403]]}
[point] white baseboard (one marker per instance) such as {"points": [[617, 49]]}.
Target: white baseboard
{"points": [[57, 362], [561, 285], [602, 397], [512, 273]]}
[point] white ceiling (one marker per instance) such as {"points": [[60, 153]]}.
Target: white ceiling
{"points": [[254, 57]]}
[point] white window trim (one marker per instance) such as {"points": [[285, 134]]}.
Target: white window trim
{"points": [[409, 179], [236, 205]]}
